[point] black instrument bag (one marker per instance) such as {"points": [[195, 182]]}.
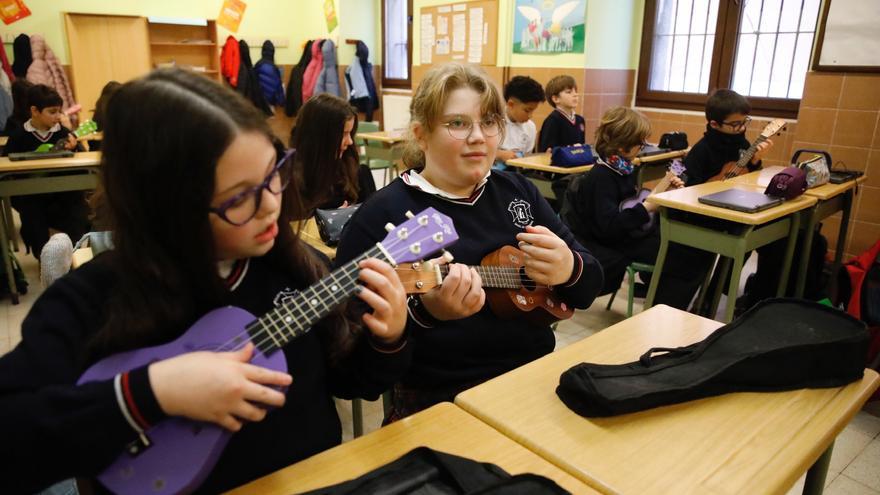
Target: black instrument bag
{"points": [[780, 344]]}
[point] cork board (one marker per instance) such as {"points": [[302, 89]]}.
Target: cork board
{"points": [[464, 32]]}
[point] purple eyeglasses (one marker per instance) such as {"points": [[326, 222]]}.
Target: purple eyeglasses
{"points": [[241, 208]]}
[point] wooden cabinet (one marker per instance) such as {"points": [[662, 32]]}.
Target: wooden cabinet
{"points": [[188, 45], [106, 48]]}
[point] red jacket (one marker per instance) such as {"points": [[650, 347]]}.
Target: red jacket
{"points": [[230, 59], [316, 65]]}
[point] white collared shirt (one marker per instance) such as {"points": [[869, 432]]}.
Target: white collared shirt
{"points": [[519, 136]]}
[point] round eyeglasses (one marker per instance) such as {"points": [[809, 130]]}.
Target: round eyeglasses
{"points": [[462, 127], [241, 208]]}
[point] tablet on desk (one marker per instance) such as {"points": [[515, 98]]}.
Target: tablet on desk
{"points": [[651, 150], [39, 155], [740, 200]]}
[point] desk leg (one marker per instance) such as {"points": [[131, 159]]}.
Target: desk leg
{"points": [[789, 253], [809, 232], [661, 257], [721, 269], [739, 259], [841, 239], [10, 223], [7, 261], [815, 481]]}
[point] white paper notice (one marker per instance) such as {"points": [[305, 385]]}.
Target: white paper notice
{"points": [[443, 46], [442, 25], [475, 41], [427, 41], [458, 32], [459, 7], [445, 9]]}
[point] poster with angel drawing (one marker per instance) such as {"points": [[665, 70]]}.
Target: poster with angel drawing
{"points": [[546, 27]]}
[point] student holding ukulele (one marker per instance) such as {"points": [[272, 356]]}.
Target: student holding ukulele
{"points": [[456, 123], [199, 222]]}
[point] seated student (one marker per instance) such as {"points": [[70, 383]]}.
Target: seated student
{"points": [[522, 95], [727, 116], [563, 127], [326, 157], [101, 110], [189, 239], [592, 208], [63, 211], [456, 124]]}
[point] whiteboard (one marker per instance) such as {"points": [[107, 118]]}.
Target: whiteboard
{"points": [[850, 38]]}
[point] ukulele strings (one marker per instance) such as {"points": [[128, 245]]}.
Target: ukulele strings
{"points": [[240, 340]]}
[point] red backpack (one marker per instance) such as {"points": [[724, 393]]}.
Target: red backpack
{"points": [[859, 290]]}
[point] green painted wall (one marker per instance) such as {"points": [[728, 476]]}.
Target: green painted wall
{"points": [[613, 35], [296, 20]]}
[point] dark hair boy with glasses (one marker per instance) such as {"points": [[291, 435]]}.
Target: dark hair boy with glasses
{"points": [[727, 116]]}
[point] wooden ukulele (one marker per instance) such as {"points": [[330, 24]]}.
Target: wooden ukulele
{"points": [[740, 167], [509, 291]]}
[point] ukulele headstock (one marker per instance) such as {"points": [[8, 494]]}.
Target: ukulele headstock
{"points": [[774, 127], [422, 235], [418, 277]]}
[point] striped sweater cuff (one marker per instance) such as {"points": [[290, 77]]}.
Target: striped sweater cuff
{"points": [[136, 400], [576, 271]]}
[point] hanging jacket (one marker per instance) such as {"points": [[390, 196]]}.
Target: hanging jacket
{"points": [[363, 53], [21, 52], [247, 80], [4, 62], [269, 75], [356, 85], [295, 83], [328, 80], [230, 60], [6, 104], [46, 69], [310, 77]]}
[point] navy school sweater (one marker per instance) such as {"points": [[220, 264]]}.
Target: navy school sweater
{"points": [[557, 130], [53, 429], [483, 345]]}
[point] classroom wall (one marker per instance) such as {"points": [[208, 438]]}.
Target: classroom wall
{"points": [[297, 21]]}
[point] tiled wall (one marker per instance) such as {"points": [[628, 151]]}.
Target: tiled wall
{"points": [[839, 113]]}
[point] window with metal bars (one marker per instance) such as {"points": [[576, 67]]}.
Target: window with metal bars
{"points": [[396, 46], [758, 48]]}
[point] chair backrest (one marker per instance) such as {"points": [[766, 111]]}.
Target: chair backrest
{"points": [[366, 127]]}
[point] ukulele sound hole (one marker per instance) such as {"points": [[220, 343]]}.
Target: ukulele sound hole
{"points": [[525, 281]]}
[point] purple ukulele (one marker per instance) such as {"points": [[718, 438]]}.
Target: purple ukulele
{"points": [[177, 454], [676, 169]]}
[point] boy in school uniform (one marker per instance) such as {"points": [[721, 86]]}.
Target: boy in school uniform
{"points": [[727, 118], [563, 127], [63, 211], [522, 95]]}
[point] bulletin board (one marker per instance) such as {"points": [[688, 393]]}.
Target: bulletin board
{"points": [[461, 32], [847, 37]]}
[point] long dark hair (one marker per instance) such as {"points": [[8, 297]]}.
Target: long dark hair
{"points": [[21, 109], [316, 137], [164, 136]]}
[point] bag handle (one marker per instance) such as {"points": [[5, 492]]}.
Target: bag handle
{"points": [[797, 153], [645, 358]]}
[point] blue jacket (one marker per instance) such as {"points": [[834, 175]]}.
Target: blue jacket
{"points": [[328, 80], [269, 75]]}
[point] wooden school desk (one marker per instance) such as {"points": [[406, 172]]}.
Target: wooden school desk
{"points": [[309, 234], [541, 162], [443, 427], [733, 443], [755, 230], [27, 177], [830, 198], [3, 140]]}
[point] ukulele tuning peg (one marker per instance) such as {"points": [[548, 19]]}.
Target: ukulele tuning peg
{"points": [[415, 248], [447, 256], [389, 227], [438, 237], [423, 220], [409, 214]]}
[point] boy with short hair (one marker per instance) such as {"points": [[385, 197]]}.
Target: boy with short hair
{"points": [[727, 118], [62, 211], [563, 127], [522, 95]]}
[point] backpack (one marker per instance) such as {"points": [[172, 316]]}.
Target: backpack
{"points": [[858, 290]]}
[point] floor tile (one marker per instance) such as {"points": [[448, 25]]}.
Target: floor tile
{"points": [[844, 485], [866, 467], [848, 445]]}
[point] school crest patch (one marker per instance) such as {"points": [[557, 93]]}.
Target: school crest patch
{"points": [[522, 213]]}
